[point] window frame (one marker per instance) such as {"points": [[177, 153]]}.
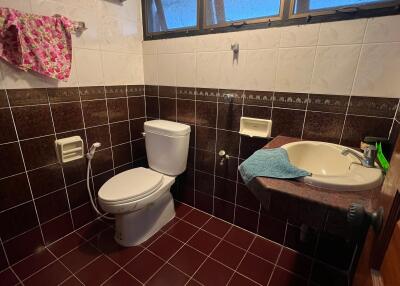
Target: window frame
{"points": [[244, 21], [145, 8], [287, 17], [343, 9]]}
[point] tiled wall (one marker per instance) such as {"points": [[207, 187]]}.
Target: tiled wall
{"points": [[358, 57], [109, 52], [42, 200], [219, 190]]}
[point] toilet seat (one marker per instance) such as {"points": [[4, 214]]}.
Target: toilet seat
{"points": [[131, 185]]}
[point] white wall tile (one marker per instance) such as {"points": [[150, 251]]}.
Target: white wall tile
{"points": [[263, 38], [294, 70], [378, 71], [23, 5], [150, 47], [166, 64], [208, 69], [260, 69], [90, 72], [122, 68], [213, 42], [342, 32], [383, 29], [150, 68], [299, 36], [186, 69], [232, 72], [334, 69]]}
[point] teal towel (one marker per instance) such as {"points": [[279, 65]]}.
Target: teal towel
{"points": [[273, 163]]}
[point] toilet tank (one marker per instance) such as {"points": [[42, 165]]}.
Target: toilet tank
{"points": [[167, 146]]}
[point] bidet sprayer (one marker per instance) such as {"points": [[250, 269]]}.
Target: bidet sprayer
{"points": [[92, 150]]}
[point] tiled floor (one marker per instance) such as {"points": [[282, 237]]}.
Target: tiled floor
{"points": [[194, 249]]}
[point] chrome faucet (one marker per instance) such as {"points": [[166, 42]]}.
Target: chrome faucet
{"points": [[368, 159]]}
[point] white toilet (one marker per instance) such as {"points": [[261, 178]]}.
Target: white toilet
{"points": [[140, 198]]}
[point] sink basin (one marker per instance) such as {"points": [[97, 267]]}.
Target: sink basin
{"points": [[330, 169]]}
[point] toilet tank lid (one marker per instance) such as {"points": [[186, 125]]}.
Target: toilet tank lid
{"points": [[165, 127]]}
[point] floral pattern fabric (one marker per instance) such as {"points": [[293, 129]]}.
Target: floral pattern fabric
{"points": [[38, 43]]}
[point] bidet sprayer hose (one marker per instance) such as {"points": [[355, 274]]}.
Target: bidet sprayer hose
{"points": [[90, 156]]}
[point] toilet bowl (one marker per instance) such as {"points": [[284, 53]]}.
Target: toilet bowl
{"points": [[140, 198]]}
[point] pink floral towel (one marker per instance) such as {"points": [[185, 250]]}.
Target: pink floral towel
{"points": [[38, 43]]}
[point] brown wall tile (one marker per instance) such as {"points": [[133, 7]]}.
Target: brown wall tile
{"points": [[358, 127], [99, 134], [92, 92], [290, 100], [152, 107], [229, 116], [67, 116], [10, 153], [3, 99], [14, 191], [120, 133], [151, 90], [33, 121], [95, 113], [260, 98], [46, 180], [205, 138], [186, 93], [323, 126], [135, 90], [328, 103], [6, 126], [52, 205], [122, 154], [66, 94], [167, 91], [373, 106], [287, 122], [186, 111], [115, 91], [20, 97], [39, 152], [117, 109], [206, 114], [168, 109], [136, 107]]}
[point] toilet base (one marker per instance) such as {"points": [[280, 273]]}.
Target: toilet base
{"points": [[137, 227]]}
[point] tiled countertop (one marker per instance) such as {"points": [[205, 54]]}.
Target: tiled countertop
{"points": [[339, 200]]}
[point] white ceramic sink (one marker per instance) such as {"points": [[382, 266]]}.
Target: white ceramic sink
{"points": [[330, 169]]}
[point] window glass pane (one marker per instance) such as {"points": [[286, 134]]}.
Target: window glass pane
{"points": [[166, 15], [312, 5], [222, 11]]}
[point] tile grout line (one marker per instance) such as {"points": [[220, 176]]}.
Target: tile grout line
{"points": [[61, 164], [25, 169], [109, 129], [129, 121]]}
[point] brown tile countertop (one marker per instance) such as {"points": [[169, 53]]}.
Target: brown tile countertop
{"points": [[339, 200]]}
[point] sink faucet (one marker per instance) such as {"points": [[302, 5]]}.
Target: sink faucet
{"points": [[368, 159]]}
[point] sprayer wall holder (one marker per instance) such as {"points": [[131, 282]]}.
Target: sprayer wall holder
{"points": [[69, 149]]}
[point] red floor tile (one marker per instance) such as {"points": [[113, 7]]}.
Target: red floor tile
{"points": [[228, 254], [239, 280], [119, 254], [213, 273], [217, 227], [8, 278], [152, 239], [165, 246], [93, 228], [281, 277], [97, 271], [170, 224], [204, 242], [52, 274], [33, 263], [265, 249], [168, 275], [144, 266], [188, 260], [181, 209], [80, 257], [182, 231], [122, 278], [256, 268], [193, 282], [295, 262], [66, 244], [71, 281], [239, 237], [197, 218]]}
